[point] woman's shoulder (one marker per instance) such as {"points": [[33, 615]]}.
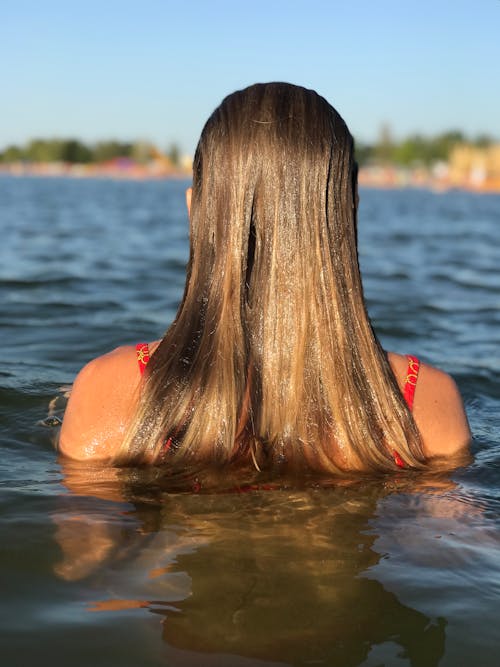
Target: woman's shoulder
{"points": [[437, 408], [101, 403]]}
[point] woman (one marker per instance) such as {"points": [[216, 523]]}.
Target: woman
{"points": [[271, 359]]}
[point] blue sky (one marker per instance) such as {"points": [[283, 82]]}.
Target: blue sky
{"points": [[156, 69]]}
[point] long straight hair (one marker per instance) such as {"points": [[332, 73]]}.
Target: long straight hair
{"points": [[271, 358]]}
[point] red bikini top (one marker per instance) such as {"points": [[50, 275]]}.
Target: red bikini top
{"points": [[142, 351]]}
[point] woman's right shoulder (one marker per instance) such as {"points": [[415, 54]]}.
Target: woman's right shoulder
{"points": [[438, 409], [100, 405]]}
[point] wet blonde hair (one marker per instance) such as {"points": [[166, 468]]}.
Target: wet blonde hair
{"points": [[271, 358]]}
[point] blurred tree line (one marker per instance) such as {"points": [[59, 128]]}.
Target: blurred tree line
{"points": [[415, 150], [74, 151]]}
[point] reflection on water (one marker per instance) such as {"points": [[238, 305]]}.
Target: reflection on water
{"points": [[282, 576]]}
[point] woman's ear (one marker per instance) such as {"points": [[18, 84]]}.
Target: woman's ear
{"points": [[189, 193]]}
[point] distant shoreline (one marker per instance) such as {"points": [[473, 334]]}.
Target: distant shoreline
{"points": [[374, 177], [113, 169], [391, 177]]}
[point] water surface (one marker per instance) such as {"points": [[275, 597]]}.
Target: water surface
{"points": [[105, 567]]}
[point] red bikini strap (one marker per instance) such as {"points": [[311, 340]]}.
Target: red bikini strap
{"points": [[142, 351], [411, 380], [409, 395]]}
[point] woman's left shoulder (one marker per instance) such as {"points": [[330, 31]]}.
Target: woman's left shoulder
{"points": [[101, 402], [438, 408]]}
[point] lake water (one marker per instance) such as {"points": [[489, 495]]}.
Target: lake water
{"points": [[106, 567]]}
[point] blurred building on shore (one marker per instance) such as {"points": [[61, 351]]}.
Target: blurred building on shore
{"points": [[468, 167], [475, 168]]}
